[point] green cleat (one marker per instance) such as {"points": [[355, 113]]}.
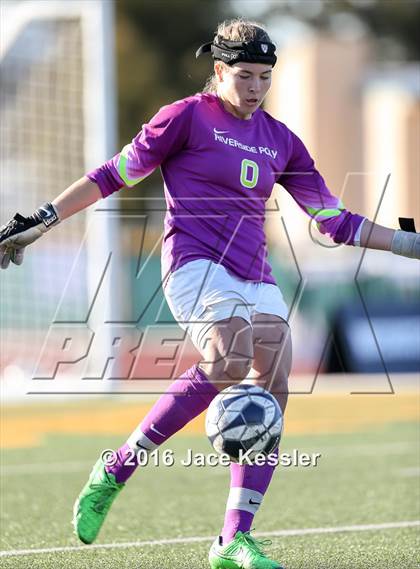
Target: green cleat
{"points": [[244, 552], [93, 503]]}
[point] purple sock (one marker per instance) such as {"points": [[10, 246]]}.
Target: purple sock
{"points": [[248, 484], [185, 398]]}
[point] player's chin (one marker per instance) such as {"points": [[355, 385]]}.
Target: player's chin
{"points": [[251, 103]]}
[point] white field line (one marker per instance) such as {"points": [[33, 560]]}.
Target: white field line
{"points": [[402, 447], [409, 472], [200, 539]]}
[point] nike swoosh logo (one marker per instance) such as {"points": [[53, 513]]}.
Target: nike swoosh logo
{"points": [[152, 428], [235, 557], [219, 131], [48, 216], [48, 213], [251, 501]]}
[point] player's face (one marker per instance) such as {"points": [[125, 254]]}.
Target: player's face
{"points": [[243, 86]]}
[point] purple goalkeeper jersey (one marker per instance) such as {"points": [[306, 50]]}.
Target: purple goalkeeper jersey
{"points": [[218, 173]]}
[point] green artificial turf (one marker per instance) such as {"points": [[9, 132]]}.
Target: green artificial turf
{"points": [[362, 478]]}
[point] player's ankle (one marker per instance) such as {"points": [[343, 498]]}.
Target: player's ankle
{"points": [[226, 538]]}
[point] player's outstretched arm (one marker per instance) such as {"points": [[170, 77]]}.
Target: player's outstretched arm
{"points": [[399, 242], [308, 188], [22, 231]]}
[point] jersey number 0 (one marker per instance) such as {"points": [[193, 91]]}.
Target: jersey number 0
{"points": [[249, 173]]}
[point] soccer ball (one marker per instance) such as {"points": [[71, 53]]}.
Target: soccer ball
{"points": [[244, 420]]}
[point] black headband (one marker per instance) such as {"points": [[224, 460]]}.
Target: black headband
{"points": [[231, 52]]}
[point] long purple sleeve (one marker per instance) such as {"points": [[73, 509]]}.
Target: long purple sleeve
{"points": [[163, 136], [307, 187]]}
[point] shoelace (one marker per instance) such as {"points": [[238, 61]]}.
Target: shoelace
{"points": [[255, 544]]}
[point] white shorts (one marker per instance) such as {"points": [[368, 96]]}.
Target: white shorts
{"points": [[202, 292]]}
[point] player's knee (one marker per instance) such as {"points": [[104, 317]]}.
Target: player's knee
{"points": [[237, 369], [227, 371]]}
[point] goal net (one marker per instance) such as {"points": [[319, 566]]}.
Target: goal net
{"points": [[57, 121]]}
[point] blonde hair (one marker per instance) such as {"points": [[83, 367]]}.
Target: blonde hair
{"points": [[236, 30]]}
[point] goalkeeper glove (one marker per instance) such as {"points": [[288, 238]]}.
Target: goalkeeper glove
{"points": [[406, 244], [21, 231]]}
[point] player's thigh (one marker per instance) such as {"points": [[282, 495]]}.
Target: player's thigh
{"points": [[272, 343], [227, 351]]}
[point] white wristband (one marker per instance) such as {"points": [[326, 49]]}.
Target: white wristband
{"points": [[406, 244]]}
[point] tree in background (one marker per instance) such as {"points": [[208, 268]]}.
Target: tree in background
{"points": [[393, 23], [156, 64]]}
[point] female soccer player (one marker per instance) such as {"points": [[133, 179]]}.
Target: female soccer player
{"points": [[220, 155]]}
